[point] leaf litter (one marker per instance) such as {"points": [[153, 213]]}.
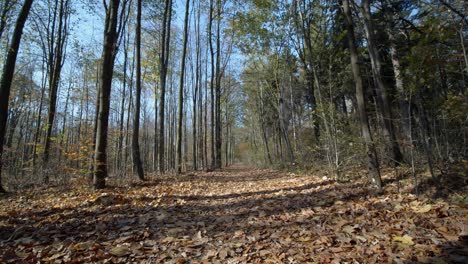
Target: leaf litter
{"points": [[239, 215]]}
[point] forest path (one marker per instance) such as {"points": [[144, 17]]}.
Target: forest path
{"points": [[238, 215]]}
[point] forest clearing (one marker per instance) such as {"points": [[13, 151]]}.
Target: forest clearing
{"points": [[239, 215]]}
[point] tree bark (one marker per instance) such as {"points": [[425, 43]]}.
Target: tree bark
{"points": [[218, 126], [197, 89], [164, 58], [138, 167], [212, 109], [107, 70]]}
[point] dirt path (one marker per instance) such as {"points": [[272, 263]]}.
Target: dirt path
{"points": [[239, 215]]}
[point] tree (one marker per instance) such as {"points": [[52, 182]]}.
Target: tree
{"points": [[164, 64], [105, 85], [303, 23], [181, 89], [381, 88], [218, 126], [372, 161], [136, 121], [56, 55], [7, 75], [212, 82]]}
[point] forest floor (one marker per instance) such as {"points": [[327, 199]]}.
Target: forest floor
{"points": [[238, 215]]}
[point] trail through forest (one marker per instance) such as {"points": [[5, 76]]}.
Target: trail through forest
{"points": [[238, 215]]}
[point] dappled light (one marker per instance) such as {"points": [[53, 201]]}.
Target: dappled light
{"points": [[281, 217]]}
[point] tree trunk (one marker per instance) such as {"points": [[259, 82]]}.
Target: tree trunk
{"points": [[212, 110], [138, 167], [197, 90], [7, 75], [164, 58], [155, 143], [122, 106], [181, 90], [107, 70], [373, 163], [218, 126]]}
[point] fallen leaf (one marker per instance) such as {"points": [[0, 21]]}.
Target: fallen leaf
{"points": [[120, 251], [348, 229], [407, 240], [304, 239], [422, 210]]}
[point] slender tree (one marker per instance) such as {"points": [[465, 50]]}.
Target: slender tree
{"points": [[212, 82], [136, 117], [164, 64], [181, 89], [218, 125], [197, 90]]}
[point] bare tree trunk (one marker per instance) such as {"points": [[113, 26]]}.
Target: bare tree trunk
{"points": [[138, 167], [156, 140], [108, 57], [64, 122], [205, 120], [212, 110], [200, 116], [373, 163], [39, 115], [218, 126], [197, 89], [122, 105], [7, 75], [181, 90], [164, 58]]}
